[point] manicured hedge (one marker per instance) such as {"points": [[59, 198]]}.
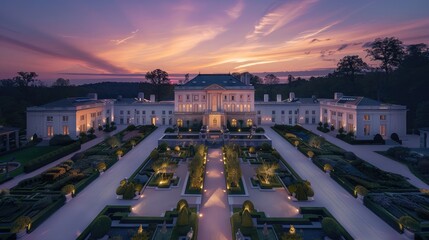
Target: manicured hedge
{"points": [[50, 157], [40, 217], [382, 213]]}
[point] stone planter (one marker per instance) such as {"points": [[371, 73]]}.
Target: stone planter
{"points": [[21, 233], [360, 198], [69, 197], [408, 233]]}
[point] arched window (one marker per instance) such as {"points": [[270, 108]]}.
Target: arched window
{"points": [[179, 122], [234, 122], [249, 122]]}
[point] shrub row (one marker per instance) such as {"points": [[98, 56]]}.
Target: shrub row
{"points": [[50, 157]]}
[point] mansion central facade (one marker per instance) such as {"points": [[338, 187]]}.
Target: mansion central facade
{"points": [[217, 101]]}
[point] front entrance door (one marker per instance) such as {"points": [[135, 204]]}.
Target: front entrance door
{"points": [[214, 122]]}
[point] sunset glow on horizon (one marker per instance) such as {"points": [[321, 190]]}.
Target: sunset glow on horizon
{"points": [[128, 37]]}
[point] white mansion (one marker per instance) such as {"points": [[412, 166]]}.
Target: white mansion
{"points": [[217, 100]]}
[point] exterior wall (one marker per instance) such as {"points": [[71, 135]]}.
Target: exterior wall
{"points": [[46, 122], [270, 113], [424, 138], [366, 121], [159, 113], [37, 123]]}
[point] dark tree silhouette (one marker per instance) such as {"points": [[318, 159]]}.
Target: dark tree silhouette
{"points": [[350, 66], [390, 51], [271, 79], [25, 79], [254, 79], [61, 82], [157, 77]]}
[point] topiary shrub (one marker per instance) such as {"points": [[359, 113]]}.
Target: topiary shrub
{"points": [[422, 213], [248, 205], [331, 228], [113, 142], [21, 223], [183, 217], [361, 190], [129, 192], [310, 154], [332, 128], [181, 204], [101, 166], [100, 227], [252, 150], [395, 137], [409, 223], [378, 139], [120, 190], [327, 167], [67, 189], [266, 147], [162, 147], [259, 130], [246, 219], [60, 140]]}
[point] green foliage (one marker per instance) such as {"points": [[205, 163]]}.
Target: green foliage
{"points": [[246, 219], [129, 192], [20, 223], [409, 222], [113, 142], [60, 140], [183, 216], [289, 236], [154, 154], [101, 166], [248, 205], [265, 147], [331, 228], [302, 190], [361, 190], [163, 147], [100, 227], [67, 189], [131, 127]]}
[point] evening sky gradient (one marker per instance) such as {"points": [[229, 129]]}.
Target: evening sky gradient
{"points": [[180, 36]]}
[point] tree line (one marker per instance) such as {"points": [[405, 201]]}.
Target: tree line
{"points": [[400, 78]]}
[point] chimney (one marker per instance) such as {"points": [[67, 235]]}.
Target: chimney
{"points": [[245, 78], [265, 97], [140, 96], [93, 96], [291, 96], [152, 98], [338, 95], [279, 97]]}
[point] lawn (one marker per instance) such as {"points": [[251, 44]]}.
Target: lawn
{"points": [[24, 155]]}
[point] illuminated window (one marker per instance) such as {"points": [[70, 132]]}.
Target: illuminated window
{"points": [[249, 122], [234, 122], [366, 117], [65, 130], [383, 130], [179, 122], [50, 131]]}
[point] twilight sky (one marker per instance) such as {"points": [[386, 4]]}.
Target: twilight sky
{"points": [[180, 36]]}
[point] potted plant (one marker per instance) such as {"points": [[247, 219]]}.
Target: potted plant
{"points": [[21, 225], [101, 167], [327, 168], [409, 225], [361, 192], [68, 190], [310, 154]]}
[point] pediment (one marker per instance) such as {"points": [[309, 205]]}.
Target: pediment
{"points": [[214, 87]]}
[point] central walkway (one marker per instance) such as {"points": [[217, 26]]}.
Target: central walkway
{"points": [[214, 223]]}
